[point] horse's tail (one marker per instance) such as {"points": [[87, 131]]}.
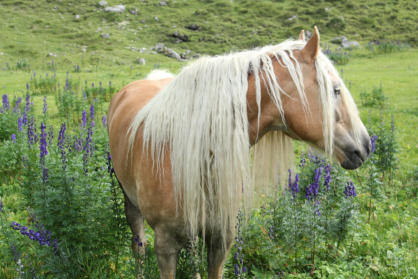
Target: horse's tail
{"points": [[159, 74]]}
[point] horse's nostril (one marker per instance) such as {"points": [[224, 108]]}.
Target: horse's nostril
{"points": [[358, 153]]}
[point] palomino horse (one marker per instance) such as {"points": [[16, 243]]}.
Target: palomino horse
{"points": [[181, 146]]}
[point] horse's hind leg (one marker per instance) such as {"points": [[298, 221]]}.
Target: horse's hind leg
{"points": [[136, 222]]}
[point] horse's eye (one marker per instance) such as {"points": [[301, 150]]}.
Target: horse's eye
{"points": [[337, 91]]}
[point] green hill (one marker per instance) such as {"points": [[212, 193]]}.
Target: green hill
{"points": [[81, 33]]}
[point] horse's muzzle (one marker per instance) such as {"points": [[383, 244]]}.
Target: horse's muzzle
{"points": [[355, 156]]}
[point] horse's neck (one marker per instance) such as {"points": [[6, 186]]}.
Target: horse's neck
{"points": [[270, 118]]}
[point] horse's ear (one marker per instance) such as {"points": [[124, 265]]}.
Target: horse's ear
{"points": [[302, 35], [311, 49]]}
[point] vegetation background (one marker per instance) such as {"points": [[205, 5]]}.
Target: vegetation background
{"points": [[59, 47]]}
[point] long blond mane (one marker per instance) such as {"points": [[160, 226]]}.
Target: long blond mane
{"points": [[201, 116]]}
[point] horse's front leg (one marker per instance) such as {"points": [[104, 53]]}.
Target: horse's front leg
{"points": [[167, 247], [217, 253]]}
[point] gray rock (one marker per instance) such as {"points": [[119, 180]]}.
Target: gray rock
{"points": [[193, 27], [156, 18], [133, 11], [103, 3], [346, 44], [77, 17], [180, 37], [115, 9], [162, 49], [338, 40], [140, 61], [292, 18], [163, 3], [105, 35], [51, 54]]}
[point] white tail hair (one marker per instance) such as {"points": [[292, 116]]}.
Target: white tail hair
{"points": [[159, 74], [201, 117]]}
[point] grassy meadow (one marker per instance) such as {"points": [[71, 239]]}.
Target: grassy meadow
{"points": [[61, 212]]}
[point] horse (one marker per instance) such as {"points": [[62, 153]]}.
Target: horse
{"points": [[181, 146]]}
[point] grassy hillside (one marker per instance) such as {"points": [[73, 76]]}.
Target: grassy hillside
{"points": [[72, 30]]}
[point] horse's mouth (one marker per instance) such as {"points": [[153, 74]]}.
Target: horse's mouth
{"points": [[351, 159]]}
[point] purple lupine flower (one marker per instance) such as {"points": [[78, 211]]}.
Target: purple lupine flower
{"points": [[84, 118], [110, 170], [313, 189], [43, 145], [27, 106], [104, 120], [31, 132], [5, 102], [13, 138], [327, 176], [293, 187], [92, 112], [1, 206], [373, 142], [25, 118], [61, 136], [42, 236], [302, 162], [27, 86], [45, 108], [350, 190], [18, 101]]}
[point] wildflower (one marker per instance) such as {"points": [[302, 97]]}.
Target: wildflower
{"points": [[18, 101], [327, 176], [104, 121], [5, 102], [31, 132], [45, 108], [350, 190], [43, 145], [302, 162], [42, 236], [27, 106], [25, 117], [313, 189], [84, 118], [373, 142], [27, 86], [92, 112], [61, 136], [1, 206], [13, 138], [110, 170]]}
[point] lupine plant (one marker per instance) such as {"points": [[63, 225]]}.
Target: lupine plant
{"points": [[309, 220]]}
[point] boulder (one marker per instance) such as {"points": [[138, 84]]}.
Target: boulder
{"points": [[115, 9], [338, 40], [105, 35], [346, 44], [193, 27], [103, 3], [162, 49]]}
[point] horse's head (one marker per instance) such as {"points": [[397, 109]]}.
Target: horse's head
{"points": [[327, 116]]}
